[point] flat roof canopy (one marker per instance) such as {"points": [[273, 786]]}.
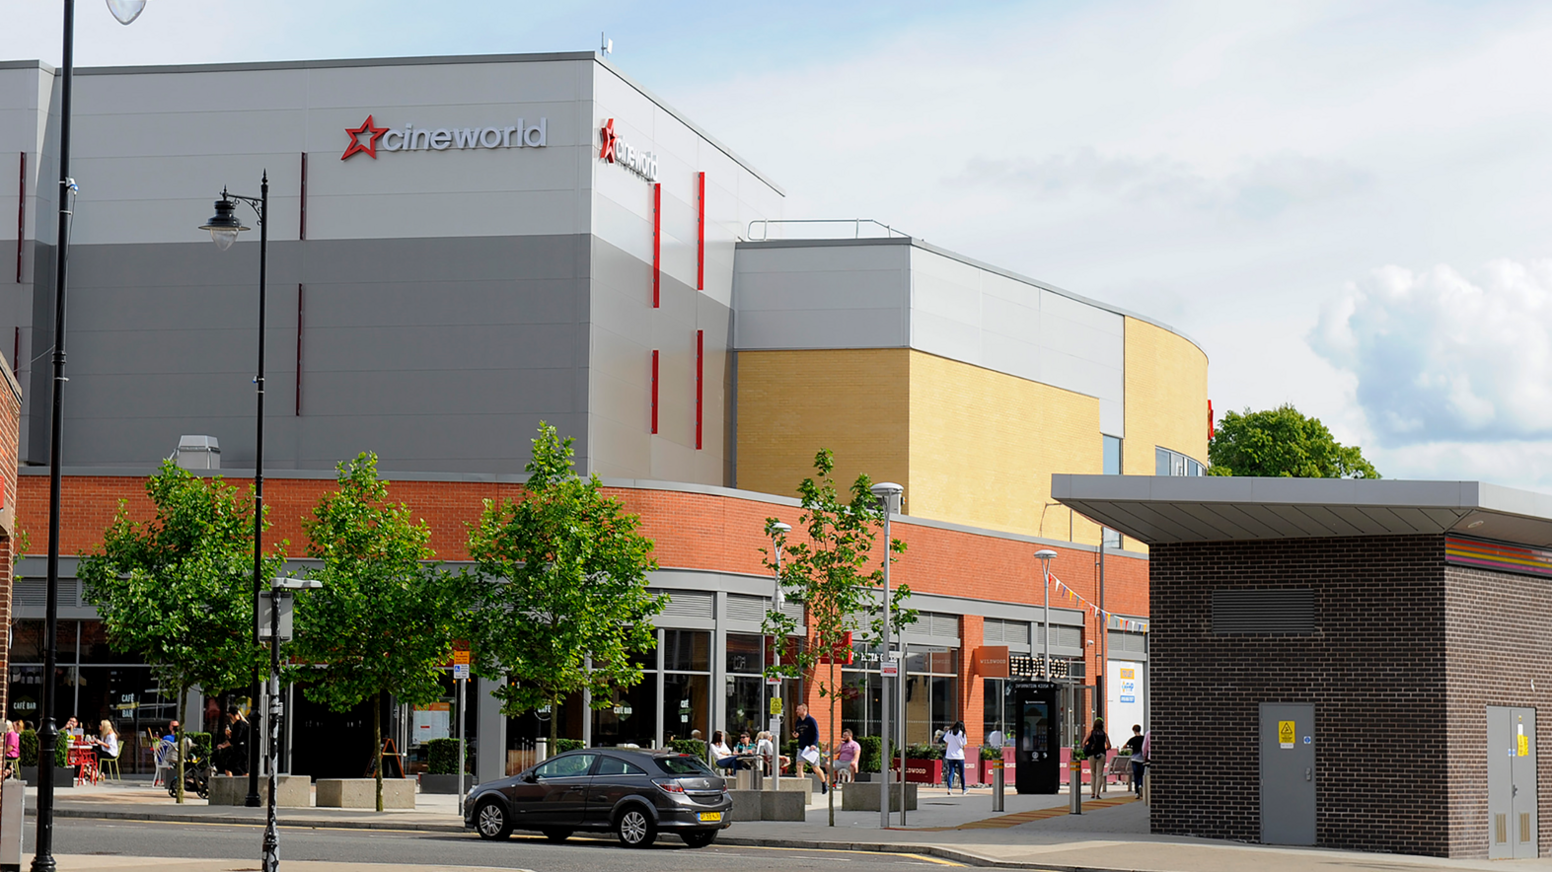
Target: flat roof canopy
{"points": [[1156, 509]]}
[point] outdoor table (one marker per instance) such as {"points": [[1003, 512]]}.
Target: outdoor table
{"points": [[84, 757]]}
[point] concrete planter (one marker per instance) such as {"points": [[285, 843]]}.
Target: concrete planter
{"points": [[443, 784], [362, 793], [863, 796], [63, 778], [767, 805], [291, 791]]}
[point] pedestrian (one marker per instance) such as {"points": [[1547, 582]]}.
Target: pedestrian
{"points": [[807, 733], [10, 749], [844, 767], [1095, 747], [107, 742], [234, 749], [727, 761], [954, 756], [765, 747], [1134, 745]]}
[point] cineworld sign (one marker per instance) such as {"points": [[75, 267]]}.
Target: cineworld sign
{"points": [[368, 138], [615, 150]]}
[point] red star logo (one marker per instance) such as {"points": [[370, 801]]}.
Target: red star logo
{"points": [[370, 149], [607, 152]]}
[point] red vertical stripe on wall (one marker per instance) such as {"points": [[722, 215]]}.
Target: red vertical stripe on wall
{"points": [[21, 213], [657, 246], [654, 390], [700, 380], [302, 221], [700, 236], [299, 290]]}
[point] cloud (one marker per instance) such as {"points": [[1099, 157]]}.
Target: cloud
{"points": [[1442, 358]]}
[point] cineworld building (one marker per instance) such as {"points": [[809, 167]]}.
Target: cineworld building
{"points": [[462, 247]]}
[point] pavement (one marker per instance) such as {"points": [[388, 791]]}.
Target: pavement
{"points": [[1033, 832]]}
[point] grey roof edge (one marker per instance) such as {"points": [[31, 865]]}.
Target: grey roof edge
{"points": [[924, 245], [27, 65], [519, 478], [422, 60]]}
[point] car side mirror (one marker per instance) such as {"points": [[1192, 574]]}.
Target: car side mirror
{"points": [[530, 777]]}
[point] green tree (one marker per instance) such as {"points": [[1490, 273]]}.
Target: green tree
{"points": [[565, 605], [1283, 443], [385, 618], [827, 571], [178, 589]]}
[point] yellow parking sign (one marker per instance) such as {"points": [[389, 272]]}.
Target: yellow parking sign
{"points": [[775, 705], [1285, 731]]}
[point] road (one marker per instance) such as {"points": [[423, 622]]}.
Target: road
{"points": [[226, 841]]}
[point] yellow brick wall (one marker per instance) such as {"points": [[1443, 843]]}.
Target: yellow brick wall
{"points": [[1166, 396], [792, 403], [984, 445]]}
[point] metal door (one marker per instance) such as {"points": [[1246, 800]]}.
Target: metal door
{"points": [[1511, 782], [1287, 773]]}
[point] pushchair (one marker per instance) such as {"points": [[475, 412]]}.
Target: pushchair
{"points": [[196, 772]]}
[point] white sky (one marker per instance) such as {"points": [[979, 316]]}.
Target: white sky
{"points": [[1345, 204]]}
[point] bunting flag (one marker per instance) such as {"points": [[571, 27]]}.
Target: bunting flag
{"points": [[1112, 621]]}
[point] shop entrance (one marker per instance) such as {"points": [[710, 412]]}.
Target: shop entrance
{"points": [[1511, 782]]}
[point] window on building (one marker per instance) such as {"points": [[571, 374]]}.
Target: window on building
{"points": [[745, 686], [1112, 538], [1167, 462], [1123, 642], [686, 656]]}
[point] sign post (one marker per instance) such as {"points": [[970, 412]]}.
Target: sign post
{"points": [[461, 678]]}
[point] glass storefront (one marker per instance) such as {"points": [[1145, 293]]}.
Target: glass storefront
{"points": [[931, 692], [746, 696], [686, 656]]}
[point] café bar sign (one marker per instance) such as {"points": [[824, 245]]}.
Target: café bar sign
{"points": [[369, 138]]}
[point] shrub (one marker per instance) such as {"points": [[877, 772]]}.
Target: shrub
{"points": [[991, 752], [923, 751], [29, 748], [872, 749], [203, 745], [563, 745], [693, 747], [61, 751], [442, 757]]}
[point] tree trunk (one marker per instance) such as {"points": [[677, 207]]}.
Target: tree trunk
{"points": [[177, 735], [377, 743], [554, 726], [828, 773]]}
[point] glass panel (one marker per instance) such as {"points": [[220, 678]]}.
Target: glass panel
{"points": [[568, 765], [745, 706], [95, 647], [1177, 464], [1112, 455], [862, 702], [688, 650], [1192, 467], [945, 709], [26, 695], [1161, 461], [632, 717], [744, 653], [995, 711], [682, 765], [1112, 538], [27, 642], [616, 766], [131, 698], [685, 708]]}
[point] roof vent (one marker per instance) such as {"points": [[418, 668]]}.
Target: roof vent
{"points": [[199, 452]]}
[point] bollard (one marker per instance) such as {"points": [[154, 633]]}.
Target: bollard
{"points": [[1075, 781], [997, 785], [13, 795]]}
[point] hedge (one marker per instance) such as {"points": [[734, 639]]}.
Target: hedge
{"points": [[442, 757]]}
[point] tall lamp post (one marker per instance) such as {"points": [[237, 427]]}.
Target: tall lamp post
{"points": [[224, 227], [126, 11], [1044, 555], [779, 533], [888, 493]]}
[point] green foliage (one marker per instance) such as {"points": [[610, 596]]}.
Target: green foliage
{"points": [[177, 590], [989, 752], [385, 619], [565, 580], [442, 757], [693, 747], [30, 745], [827, 571], [923, 751], [872, 747], [1282, 442], [204, 745], [564, 745], [61, 752]]}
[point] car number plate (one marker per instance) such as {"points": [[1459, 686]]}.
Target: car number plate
{"points": [[711, 817]]}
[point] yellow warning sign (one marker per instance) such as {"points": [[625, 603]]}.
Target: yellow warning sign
{"points": [[1524, 748], [1285, 731], [775, 705]]}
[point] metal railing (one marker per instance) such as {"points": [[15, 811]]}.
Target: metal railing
{"points": [[856, 224]]}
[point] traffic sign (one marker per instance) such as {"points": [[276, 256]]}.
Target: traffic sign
{"points": [[460, 672], [775, 705], [461, 658], [891, 668]]}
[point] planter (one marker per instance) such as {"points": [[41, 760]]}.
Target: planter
{"points": [[444, 784], [362, 793], [63, 778], [922, 771]]}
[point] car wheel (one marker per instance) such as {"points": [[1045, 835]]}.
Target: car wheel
{"points": [[699, 838], [635, 828], [490, 819], [556, 834]]}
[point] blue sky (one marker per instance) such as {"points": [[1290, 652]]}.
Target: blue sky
{"points": [[1346, 204]]}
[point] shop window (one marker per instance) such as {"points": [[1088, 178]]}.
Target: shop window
{"points": [[745, 653], [1112, 455], [1167, 462], [686, 650]]}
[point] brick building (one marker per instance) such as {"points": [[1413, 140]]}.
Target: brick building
{"points": [[1350, 664]]}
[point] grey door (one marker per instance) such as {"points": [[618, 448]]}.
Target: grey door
{"points": [[1287, 773], [1511, 782]]}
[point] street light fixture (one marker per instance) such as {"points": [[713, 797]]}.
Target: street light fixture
{"points": [[888, 493], [224, 227], [48, 735], [1044, 555], [778, 533]]}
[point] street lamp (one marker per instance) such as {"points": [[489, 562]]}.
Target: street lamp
{"points": [[272, 714], [43, 858], [888, 493], [1044, 555], [224, 227], [779, 533]]}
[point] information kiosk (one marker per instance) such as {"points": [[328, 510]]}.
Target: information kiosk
{"points": [[1037, 751]]}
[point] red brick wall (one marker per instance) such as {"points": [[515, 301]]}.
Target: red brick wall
{"points": [[10, 424]]}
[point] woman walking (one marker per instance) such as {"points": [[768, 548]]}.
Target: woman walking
{"points": [[954, 756], [10, 749], [1096, 747]]}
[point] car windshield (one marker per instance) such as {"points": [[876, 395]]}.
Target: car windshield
{"points": [[683, 764]]}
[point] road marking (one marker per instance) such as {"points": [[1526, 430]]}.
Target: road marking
{"points": [[1003, 822]]}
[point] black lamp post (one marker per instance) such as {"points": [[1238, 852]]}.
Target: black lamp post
{"points": [[224, 227], [125, 11]]}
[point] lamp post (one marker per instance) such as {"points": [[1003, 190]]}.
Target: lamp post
{"points": [[273, 712], [125, 11], [1044, 555], [779, 533], [888, 493], [224, 227]]}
